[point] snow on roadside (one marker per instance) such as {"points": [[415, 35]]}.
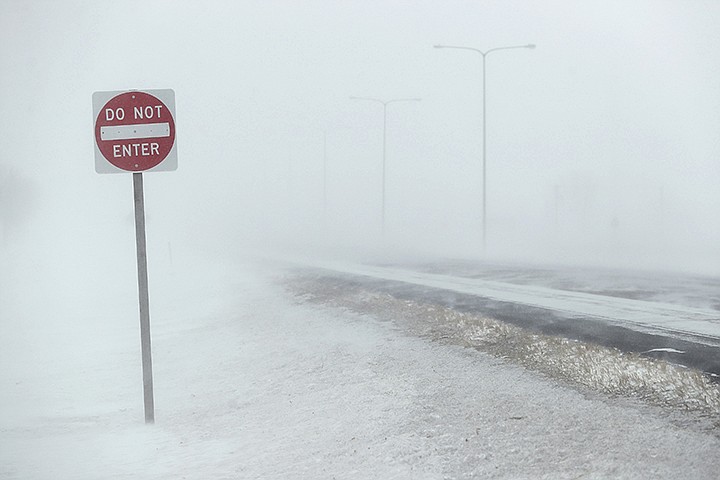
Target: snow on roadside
{"points": [[251, 384]]}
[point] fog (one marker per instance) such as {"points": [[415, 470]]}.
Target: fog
{"points": [[603, 143]]}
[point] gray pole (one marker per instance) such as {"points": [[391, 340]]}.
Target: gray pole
{"points": [[385, 103], [324, 176], [143, 297], [484, 162], [484, 148]]}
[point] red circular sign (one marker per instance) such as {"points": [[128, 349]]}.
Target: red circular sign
{"points": [[135, 131]]}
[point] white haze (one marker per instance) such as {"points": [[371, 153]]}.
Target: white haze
{"points": [[603, 143]]}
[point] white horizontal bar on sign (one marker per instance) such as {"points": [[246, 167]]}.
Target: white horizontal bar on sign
{"points": [[138, 130]]}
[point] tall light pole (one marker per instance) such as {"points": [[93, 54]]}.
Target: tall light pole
{"points": [[324, 176], [385, 104], [484, 162]]}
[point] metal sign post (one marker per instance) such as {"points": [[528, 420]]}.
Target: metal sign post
{"points": [[135, 132], [144, 298]]}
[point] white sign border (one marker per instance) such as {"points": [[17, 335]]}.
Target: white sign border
{"points": [[99, 99]]}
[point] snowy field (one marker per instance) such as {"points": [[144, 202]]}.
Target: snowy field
{"points": [[254, 382]]}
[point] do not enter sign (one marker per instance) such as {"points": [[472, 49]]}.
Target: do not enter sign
{"points": [[134, 131]]}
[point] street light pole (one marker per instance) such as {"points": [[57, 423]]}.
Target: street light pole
{"points": [[385, 104], [324, 176], [484, 131]]}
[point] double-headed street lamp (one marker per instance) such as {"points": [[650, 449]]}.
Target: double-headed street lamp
{"points": [[385, 103], [484, 178]]}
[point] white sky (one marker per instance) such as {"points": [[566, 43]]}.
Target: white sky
{"points": [[603, 142]]}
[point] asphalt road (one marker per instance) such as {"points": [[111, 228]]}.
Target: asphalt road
{"points": [[677, 294], [695, 291]]}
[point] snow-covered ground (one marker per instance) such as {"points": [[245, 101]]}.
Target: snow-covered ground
{"points": [[252, 382]]}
